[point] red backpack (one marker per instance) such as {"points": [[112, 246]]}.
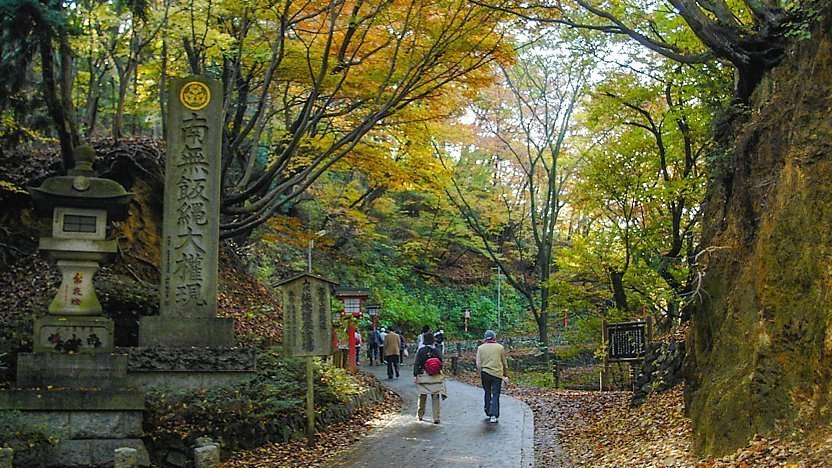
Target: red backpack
{"points": [[433, 366]]}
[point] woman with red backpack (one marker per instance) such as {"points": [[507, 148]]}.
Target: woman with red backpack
{"points": [[427, 375]]}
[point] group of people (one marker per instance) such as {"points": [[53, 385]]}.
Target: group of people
{"points": [[491, 365], [390, 347], [387, 348]]}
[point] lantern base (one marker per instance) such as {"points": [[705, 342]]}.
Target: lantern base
{"points": [[73, 334]]}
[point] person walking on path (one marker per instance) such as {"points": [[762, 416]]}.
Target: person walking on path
{"points": [[426, 384], [491, 364], [392, 348], [374, 346], [420, 341], [382, 335], [403, 348], [439, 337], [357, 347]]}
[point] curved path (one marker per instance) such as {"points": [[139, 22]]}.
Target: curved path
{"points": [[464, 437]]}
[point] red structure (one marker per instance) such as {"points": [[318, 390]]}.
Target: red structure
{"points": [[353, 300]]}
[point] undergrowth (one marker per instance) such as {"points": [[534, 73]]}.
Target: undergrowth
{"points": [[251, 412]]}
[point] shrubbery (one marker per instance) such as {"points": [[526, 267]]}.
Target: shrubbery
{"points": [[249, 414]]}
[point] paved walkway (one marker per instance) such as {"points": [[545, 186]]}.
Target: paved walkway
{"points": [[464, 438]]}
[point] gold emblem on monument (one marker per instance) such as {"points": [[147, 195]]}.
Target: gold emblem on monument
{"points": [[195, 95]]}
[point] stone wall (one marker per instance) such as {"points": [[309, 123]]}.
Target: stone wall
{"points": [[661, 370]]}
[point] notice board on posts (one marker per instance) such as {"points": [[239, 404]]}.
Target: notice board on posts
{"points": [[627, 341]]}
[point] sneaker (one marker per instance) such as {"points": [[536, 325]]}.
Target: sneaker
{"points": [[492, 419], [436, 422]]}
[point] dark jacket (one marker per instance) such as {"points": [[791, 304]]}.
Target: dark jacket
{"points": [[375, 339], [424, 353]]}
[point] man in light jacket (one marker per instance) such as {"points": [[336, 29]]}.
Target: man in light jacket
{"points": [[491, 364], [392, 348]]}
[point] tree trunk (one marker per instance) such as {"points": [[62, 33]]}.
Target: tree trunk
{"points": [[617, 281], [543, 336], [53, 103], [67, 78]]}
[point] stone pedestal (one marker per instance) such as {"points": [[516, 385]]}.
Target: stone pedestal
{"points": [[188, 368], [92, 370], [76, 294], [183, 332]]}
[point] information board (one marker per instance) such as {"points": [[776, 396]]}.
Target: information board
{"points": [[307, 316], [626, 341]]}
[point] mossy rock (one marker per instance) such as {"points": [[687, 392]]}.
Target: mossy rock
{"points": [[760, 348]]}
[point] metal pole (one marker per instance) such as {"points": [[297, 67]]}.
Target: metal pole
{"points": [[309, 254], [499, 280], [310, 403]]}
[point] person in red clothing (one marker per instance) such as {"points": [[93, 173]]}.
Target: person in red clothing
{"points": [[426, 384]]}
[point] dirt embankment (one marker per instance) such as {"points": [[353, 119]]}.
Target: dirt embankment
{"points": [[760, 348]]}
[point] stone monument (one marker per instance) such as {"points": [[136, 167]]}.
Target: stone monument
{"points": [[187, 345], [73, 381], [190, 228]]}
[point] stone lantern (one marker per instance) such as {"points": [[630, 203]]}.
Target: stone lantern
{"points": [[73, 378], [80, 205]]}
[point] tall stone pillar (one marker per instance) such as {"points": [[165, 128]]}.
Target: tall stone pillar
{"points": [[190, 228]]}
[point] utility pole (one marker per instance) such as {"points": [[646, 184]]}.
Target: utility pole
{"points": [[499, 295], [311, 246]]}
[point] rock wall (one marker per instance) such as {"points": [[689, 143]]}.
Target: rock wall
{"points": [[660, 371], [760, 345]]}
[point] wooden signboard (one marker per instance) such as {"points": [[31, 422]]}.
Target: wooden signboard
{"points": [[627, 341], [307, 316]]}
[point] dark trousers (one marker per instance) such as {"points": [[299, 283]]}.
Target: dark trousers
{"points": [[492, 386], [372, 354], [392, 363]]}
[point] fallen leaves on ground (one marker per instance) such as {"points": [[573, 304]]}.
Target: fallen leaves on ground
{"points": [[803, 450], [591, 428], [330, 442], [244, 298]]}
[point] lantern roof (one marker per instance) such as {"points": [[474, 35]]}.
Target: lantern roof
{"points": [[352, 292], [304, 275], [82, 188]]}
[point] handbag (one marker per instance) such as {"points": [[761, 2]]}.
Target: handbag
{"points": [[406, 354]]}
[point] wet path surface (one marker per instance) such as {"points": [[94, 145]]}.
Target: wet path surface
{"points": [[463, 438]]}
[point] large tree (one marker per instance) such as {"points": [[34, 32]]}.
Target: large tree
{"points": [[751, 35], [30, 30], [525, 124], [305, 83]]}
